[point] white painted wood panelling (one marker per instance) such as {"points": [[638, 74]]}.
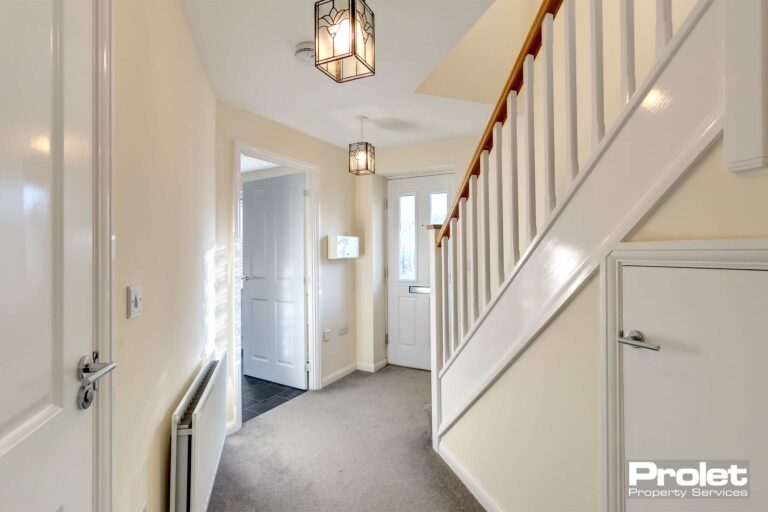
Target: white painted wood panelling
{"points": [[746, 85], [619, 185]]}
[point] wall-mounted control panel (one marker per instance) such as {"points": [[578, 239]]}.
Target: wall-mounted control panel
{"points": [[342, 247]]}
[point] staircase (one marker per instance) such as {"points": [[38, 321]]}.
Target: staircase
{"points": [[549, 191]]}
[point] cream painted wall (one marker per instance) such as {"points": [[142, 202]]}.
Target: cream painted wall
{"points": [[451, 155], [163, 220], [337, 214], [540, 419], [371, 290]]}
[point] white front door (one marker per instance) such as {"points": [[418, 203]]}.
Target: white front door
{"points": [[702, 396], [413, 204], [46, 263], [273, 306]]}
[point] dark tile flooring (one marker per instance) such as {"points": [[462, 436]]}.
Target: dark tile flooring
{"points": [[259, 396]]}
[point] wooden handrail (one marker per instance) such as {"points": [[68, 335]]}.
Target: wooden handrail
{"points": [[531, 46]]}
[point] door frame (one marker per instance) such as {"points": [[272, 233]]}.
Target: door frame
{"points": [[103, 487], [311, 263], [750, 254]]}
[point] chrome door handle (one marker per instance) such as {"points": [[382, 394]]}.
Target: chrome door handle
{"points": [[246, 278], [637, 340], [89, 372]]}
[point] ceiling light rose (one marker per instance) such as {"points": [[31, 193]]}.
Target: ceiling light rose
{"points": [[362, 155], [344, 39]]}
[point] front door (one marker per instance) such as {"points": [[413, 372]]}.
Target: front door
{"points": [[413, 203], [702, 395], [46, 263], [273, 305]]}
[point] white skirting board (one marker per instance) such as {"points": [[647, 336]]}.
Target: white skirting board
{"points": [[369, 367], [339, 374], [485, 499]]}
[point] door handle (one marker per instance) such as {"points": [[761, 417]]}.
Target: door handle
{"points": [[637, 340], [89, 372]]}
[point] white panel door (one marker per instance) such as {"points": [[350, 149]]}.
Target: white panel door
{"points": [[703, 394], [412, 204], [273, 306], [46, 264]]}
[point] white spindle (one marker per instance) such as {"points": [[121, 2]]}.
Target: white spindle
{"points": [[453, 248], [446, 331], [511, 222], [435, 328], [462, 269], [474, 306], [485, 230], [663, 25], [598, 88], [530, 151], [497, 190], [548, 80], [571, 113], [627, 36]]}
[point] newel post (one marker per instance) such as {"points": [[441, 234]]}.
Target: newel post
{"points": [[436, 269], [746, 84]]}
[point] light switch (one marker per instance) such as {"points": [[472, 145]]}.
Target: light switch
{"points": [[135, 306], [327, 335]]}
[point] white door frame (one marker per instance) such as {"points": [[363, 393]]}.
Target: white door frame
{"points": [[723, 254], [103, 487], [311, 251]]}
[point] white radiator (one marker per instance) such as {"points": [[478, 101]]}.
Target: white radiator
{"points": [[198, 428]]}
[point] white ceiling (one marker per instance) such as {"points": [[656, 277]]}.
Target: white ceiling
{"points": [[247, 47]]}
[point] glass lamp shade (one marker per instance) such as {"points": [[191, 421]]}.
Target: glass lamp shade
{"points": [[362, 158], [344, 39]]}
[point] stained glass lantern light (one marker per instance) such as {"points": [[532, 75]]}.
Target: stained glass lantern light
{"points": [[362, 155], [344, 39]]}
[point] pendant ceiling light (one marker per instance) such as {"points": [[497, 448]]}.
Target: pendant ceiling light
{"points": [[344, 39], [362, 155]]}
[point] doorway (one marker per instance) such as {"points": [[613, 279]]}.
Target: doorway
{"points": [[412, 204], [686, 352], [274, 274]]}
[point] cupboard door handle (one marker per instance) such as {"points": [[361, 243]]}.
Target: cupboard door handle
{"points": [[637, 340]]}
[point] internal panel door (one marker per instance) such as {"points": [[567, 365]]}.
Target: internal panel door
{"points": [[47, 53], [273, 303]]}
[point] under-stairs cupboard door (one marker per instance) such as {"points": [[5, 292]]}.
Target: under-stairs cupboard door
{"points": [[47, 54], [701, 397]]}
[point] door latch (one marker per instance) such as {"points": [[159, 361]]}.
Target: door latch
{"points": [[89, 372]]}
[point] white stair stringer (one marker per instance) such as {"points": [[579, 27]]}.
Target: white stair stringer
{"points": [[677, 114]]}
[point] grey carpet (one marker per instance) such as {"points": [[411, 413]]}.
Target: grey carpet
{"points": [[361, 444]]}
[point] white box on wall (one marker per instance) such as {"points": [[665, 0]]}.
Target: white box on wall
{"points": [[343, 247]]}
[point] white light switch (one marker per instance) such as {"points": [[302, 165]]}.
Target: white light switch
{"points": [[135, 306], [327, 335]]}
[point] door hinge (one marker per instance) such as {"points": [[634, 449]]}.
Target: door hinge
{"points": [[307, 193], [308, 367], [386, 339], [386, 273], [386, 203]]}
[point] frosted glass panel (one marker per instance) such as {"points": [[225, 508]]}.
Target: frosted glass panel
{"points": [[438, 207], [407, 237]]}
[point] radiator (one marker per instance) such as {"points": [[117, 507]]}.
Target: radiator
{"points": [[198, 428]]}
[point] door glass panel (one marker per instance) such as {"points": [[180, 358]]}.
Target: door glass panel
{"points": [[407, 237], [438, 207]]}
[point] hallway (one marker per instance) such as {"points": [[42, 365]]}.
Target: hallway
{"points": [[359, 444]]}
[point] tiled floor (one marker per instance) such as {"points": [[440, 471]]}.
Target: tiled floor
{"points": [[259, 396]]}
